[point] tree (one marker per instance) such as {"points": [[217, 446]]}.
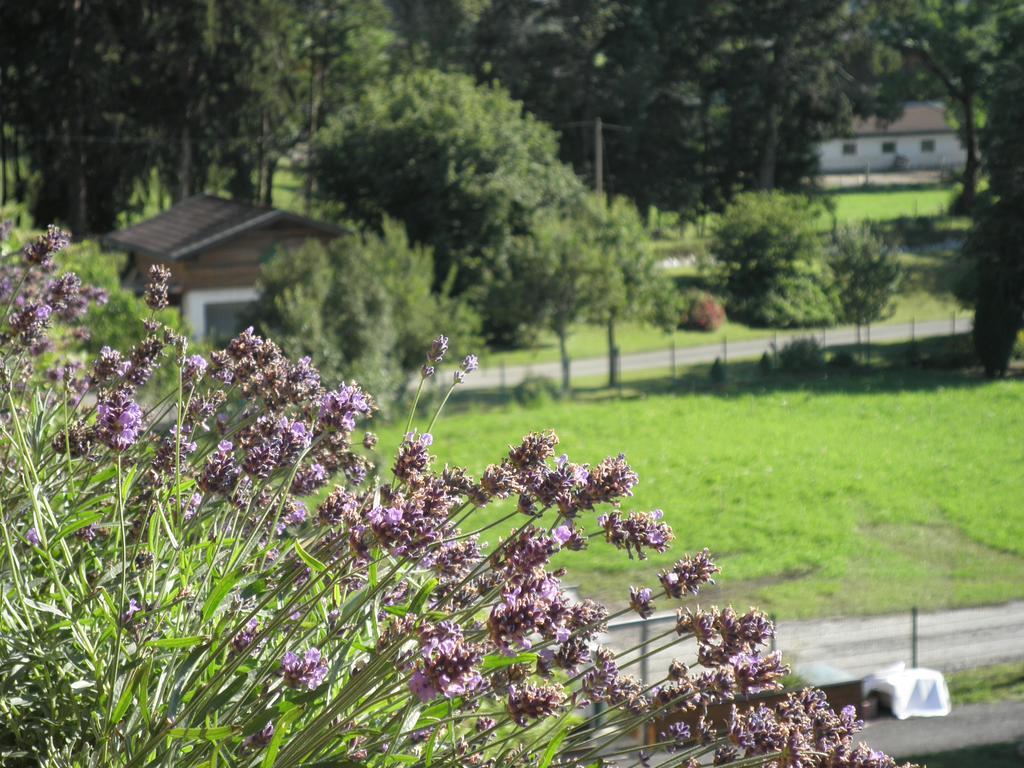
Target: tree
{"points": [[460, 165], [867, 275], [361, 307], [952, 43], [770, 263], [557, 266], [628, 281], [994, 244]]}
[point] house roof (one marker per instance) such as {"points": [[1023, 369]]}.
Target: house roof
{"points": [[200, 222], [917, 117]]}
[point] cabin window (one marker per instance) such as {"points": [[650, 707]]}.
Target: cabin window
{"points": [[850, 148], [888, 147], [928, 145], [223, 321]]}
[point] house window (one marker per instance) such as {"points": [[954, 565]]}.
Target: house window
{"points": [[850, 148], [888, 147], [927, 145], [225, 320]]}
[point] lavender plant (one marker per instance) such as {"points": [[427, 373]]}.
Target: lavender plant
{"points": [[223, 576]]}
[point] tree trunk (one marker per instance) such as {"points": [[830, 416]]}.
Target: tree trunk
{"points": [[971, 145], [563, 349], [268, 186], [613, 353], [769, 151], [185, 162]]}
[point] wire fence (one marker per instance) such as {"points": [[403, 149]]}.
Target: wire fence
{"points": [[852, 646]]}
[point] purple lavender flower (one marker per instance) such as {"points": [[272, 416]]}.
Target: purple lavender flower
{"points": [[190, 506], [42, 251], [309, 479], [526, 701], [637, 531], [689, 575], [30, 322], [308, 671], [259, 740], [340, 409], [426, 371], [448, 663], [245, 637], [221, 472], [470, 363], [156, 287], [413, 456], [119, 421], [193, 368], [33, 537], [640, 601], [438, 349], [678, 734], [132, 609]]}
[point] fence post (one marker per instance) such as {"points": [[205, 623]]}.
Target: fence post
{"points": [[913, 637], [775, 626], [913, 328], [504, 393], [645, 640], [725, 350], [952, 324], [673, 358], [775, 349], [618, 369]]}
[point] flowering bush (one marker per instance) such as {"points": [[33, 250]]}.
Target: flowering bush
{"points": [[223, 577], [701, 311]]}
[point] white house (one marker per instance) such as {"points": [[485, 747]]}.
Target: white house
{"points": [[919, 139]]}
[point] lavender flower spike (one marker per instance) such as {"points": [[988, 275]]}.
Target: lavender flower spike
{"points": [[308, 671]]}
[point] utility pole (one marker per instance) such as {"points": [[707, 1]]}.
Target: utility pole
{"points": [[598, 156]]}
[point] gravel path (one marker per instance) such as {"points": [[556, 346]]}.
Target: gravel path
{"points": [[947, 640], [971, 725], [494, 377]]}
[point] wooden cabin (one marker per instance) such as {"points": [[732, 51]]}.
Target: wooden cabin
{"points": [[214, 249]]}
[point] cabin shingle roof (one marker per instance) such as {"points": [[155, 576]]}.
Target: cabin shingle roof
{"points": [[917, 117], [200, 222]]}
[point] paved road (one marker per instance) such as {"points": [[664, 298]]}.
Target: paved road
{"points": [[971, 725], [947, 640], [493, 377]]}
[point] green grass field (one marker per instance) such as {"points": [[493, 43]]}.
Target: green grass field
{"points": [[999, 682], [851, 494], [881, 204]]}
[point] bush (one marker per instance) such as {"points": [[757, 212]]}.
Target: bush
{"points": [[769, 262], [701, 311], [799, 355], [536, 390], [843, 360], [222, 576]]}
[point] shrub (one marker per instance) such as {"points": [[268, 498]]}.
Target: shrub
{"points": [[718, 374], [701, 311], [769, 262], [801, 355], [222, 577], [536, 390], [842, 359]]}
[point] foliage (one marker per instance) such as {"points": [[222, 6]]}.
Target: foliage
{"points": [[952, 48], [770, 264], [535, 390], [168, 596], [361, 307], [701, 311], [799, 355], [994, 242], [461, 165], [867, 274]]}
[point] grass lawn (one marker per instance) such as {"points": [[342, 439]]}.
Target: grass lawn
{"points": [[999, 682], [841, 494], [881, 204], [994, 756]]}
